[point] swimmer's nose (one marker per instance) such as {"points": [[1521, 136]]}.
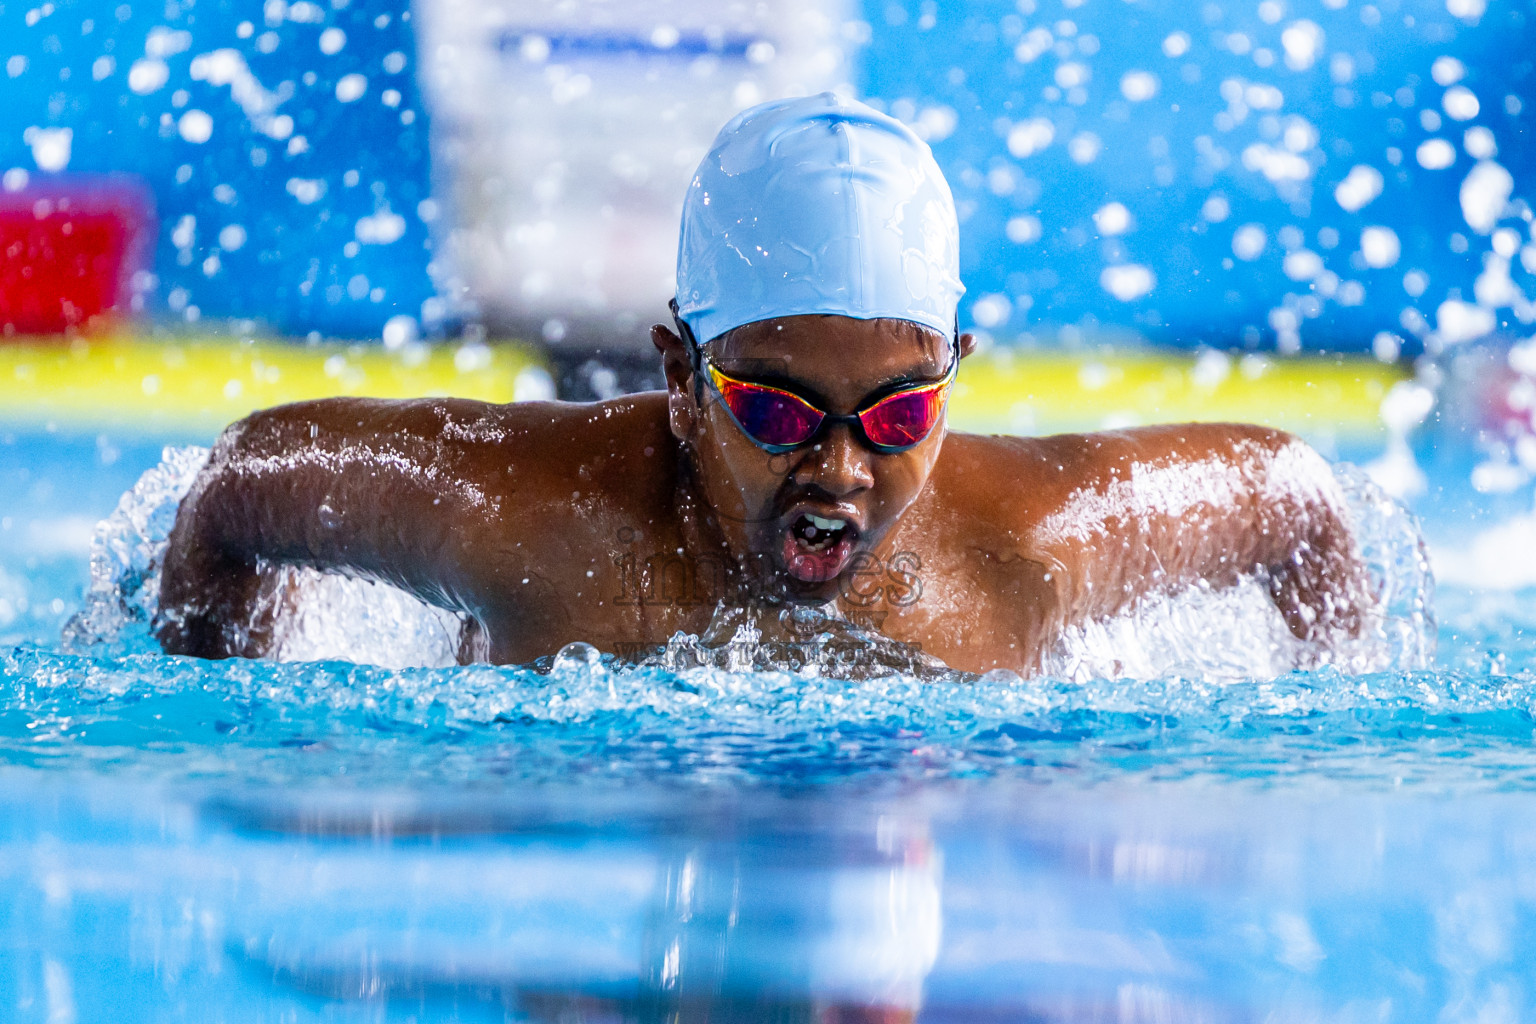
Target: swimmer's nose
{"points": [[837, 463]]}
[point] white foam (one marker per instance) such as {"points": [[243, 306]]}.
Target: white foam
{"points": [[1277, 164], [382, 227], [1085, 147], [127, 549], [148, 74], [1479, 143], [1457, 321], [1447, 70], [320, 617], [328, 617], [195, 126], [227, 67], [50, 147], [1302, 41], [1460, 103], [1214, 634], [1023, 230], [350, 88], [1236, 633], [1302, 265]]}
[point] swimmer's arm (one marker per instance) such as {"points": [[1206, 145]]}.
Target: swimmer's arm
{"points": [[1137, 511], [368, 488]]}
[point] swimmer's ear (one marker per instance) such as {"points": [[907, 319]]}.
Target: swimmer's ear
{"points": [[676, 357], [677, 366], [967, 344]]}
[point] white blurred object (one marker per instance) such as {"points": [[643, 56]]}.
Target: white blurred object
{"points": [[566, 133], [1498, 557]]}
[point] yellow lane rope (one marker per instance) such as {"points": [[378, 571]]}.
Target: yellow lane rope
{"points": [[1038, 392], [201, 384]]}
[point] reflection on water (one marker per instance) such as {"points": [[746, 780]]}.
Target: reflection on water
{"points": [[410, 905], [784, 926], [840, 930], [936, 904]]}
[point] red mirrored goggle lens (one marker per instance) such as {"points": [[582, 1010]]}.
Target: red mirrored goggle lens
{"points": [[768, 415], [905, 418], [777, 418]]}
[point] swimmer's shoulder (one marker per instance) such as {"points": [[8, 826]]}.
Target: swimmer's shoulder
{"points": [[1065, 455], [618, 453], [1015, 482], [995, 486], [513, 430]]}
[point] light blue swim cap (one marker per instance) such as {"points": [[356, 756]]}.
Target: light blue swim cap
{"points": [[817, 205]]}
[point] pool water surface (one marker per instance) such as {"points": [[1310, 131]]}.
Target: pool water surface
{"points": [[185, 840]]}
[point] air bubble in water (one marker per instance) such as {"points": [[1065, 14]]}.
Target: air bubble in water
{"points": [[577, 658]]}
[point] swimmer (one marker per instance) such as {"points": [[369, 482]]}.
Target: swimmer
{"points": [[799, 456]]}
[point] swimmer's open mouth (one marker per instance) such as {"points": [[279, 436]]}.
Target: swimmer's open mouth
{"points": [[818, 547]]}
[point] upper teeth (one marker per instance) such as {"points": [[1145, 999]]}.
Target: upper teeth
{"points": [[826, 524]]}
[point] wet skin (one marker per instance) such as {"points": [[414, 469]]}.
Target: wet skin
{"points": [[622, 522]]}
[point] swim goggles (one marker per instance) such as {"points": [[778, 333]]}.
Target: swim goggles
{"points": [[890, 420]]}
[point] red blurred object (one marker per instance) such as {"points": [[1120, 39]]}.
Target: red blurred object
{"points": [[69, 248]]}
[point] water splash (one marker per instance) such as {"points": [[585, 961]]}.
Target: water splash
{"points": [[1393, 547], [1235, 633], [126, 553], [320, 615], [808, 641], [177, 719], [327, 616], [1217, 635]]}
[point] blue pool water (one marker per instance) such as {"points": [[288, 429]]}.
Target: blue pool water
{"points": [[184, 840]]}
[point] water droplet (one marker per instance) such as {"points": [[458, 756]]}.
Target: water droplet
{"points": [[575, 657]]}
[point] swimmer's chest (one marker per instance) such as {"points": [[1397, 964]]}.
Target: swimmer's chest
{"points": [[974, 609]]}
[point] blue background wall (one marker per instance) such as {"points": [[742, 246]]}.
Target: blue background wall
{"points": [[1164, 157], [293, 271], [958, 69]]}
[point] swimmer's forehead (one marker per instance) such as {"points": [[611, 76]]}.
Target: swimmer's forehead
{"points": [[832, 353]]}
